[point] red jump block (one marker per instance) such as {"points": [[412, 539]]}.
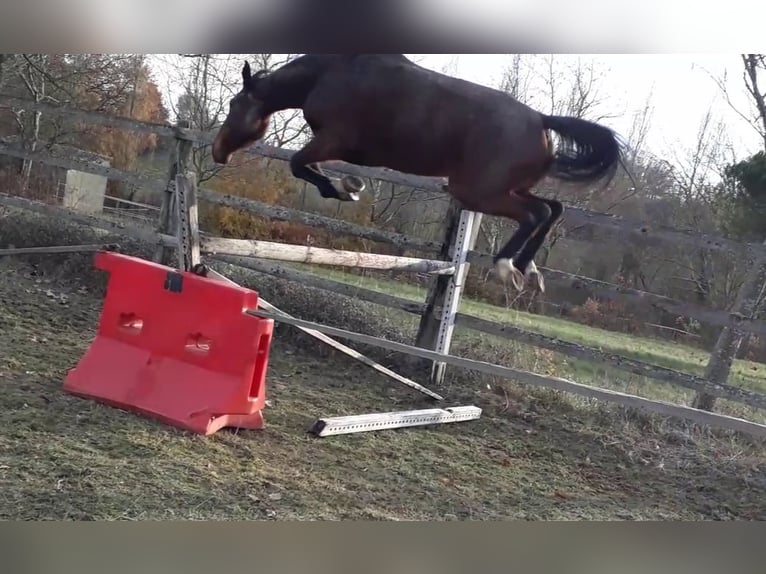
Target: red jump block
{"points": [[176, 347]]}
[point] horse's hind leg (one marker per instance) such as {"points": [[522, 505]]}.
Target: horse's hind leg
{"points": [[528, 211], [532, 214], [525, 259], [304, 165]]}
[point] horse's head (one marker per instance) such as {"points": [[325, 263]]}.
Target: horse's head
{"points": [[245, 123]]}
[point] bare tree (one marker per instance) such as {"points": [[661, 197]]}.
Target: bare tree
{"points": [[754, 64], [197, 88], [690, 203], [208, 82], [94, 82], [750, 295], [642, 119], [8, 65], [517, 77], [562, 86], [695, 167], [585, 98], [33, 74], [755, 117]]}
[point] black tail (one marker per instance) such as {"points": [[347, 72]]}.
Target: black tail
{"points": [[587, 152]]}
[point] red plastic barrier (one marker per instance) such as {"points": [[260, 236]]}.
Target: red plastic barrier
{"points": [[176, 347]]}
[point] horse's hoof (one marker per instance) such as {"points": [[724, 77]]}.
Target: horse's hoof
{"points": [[502, 268], [533, 273], [349, 188], [353, 184], [517, 277], [344, 195], [505, 267]]}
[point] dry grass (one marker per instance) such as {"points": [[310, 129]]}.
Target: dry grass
{"points": [[533, 455]]}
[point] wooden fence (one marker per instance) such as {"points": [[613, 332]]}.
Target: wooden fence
{"points": [[451, 259]]}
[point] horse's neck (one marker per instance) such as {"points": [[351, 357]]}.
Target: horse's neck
{"points": [[289, 86]]}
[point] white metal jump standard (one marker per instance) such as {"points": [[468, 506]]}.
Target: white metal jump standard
{"points": [[461, 247]]}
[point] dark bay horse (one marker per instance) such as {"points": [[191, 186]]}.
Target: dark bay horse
{"points": [[383, 110]]}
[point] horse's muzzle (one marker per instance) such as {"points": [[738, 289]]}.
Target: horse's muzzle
{"points": [[220, 153], [221, 160]]}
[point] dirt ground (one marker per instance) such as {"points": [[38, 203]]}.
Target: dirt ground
{"points": [[531, 456]]}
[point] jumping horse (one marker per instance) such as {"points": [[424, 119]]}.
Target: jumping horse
{"points": [[383, 110]]}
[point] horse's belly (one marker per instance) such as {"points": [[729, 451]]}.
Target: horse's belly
{"points": [[418, 156]]}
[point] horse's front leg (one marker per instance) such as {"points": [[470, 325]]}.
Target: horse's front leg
{"points": [[304, 165]]}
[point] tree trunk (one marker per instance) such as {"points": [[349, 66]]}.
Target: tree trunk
{"points": [[729, 341], [26, 170]]}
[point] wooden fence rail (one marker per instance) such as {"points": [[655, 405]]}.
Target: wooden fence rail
{"points": [[579, 216], [467, 321], [591, 286], [323, 256], [735, 394]]}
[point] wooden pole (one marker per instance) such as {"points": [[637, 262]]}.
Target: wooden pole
{"points": [[321, 255], [57, 249], [179, 161], [187, 221]]}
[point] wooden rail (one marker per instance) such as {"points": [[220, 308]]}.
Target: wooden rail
{"points": [[353, 291], [138, 232], [59, 249], [643, 230], [322, 256], [278, 213], [644, 369], [735, 394], [730, 392]]}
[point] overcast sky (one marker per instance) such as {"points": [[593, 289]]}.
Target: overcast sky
{"points": [[682, 89], [681, 85]]}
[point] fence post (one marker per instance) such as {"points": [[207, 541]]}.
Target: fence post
{"points": [[180, 158], [435, 332], [730, 338], [187, 221]]}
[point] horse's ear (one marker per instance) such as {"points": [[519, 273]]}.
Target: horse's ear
{"points": [[246, 75]]}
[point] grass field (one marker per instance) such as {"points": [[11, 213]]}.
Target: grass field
{"points": [[533, 455]]}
